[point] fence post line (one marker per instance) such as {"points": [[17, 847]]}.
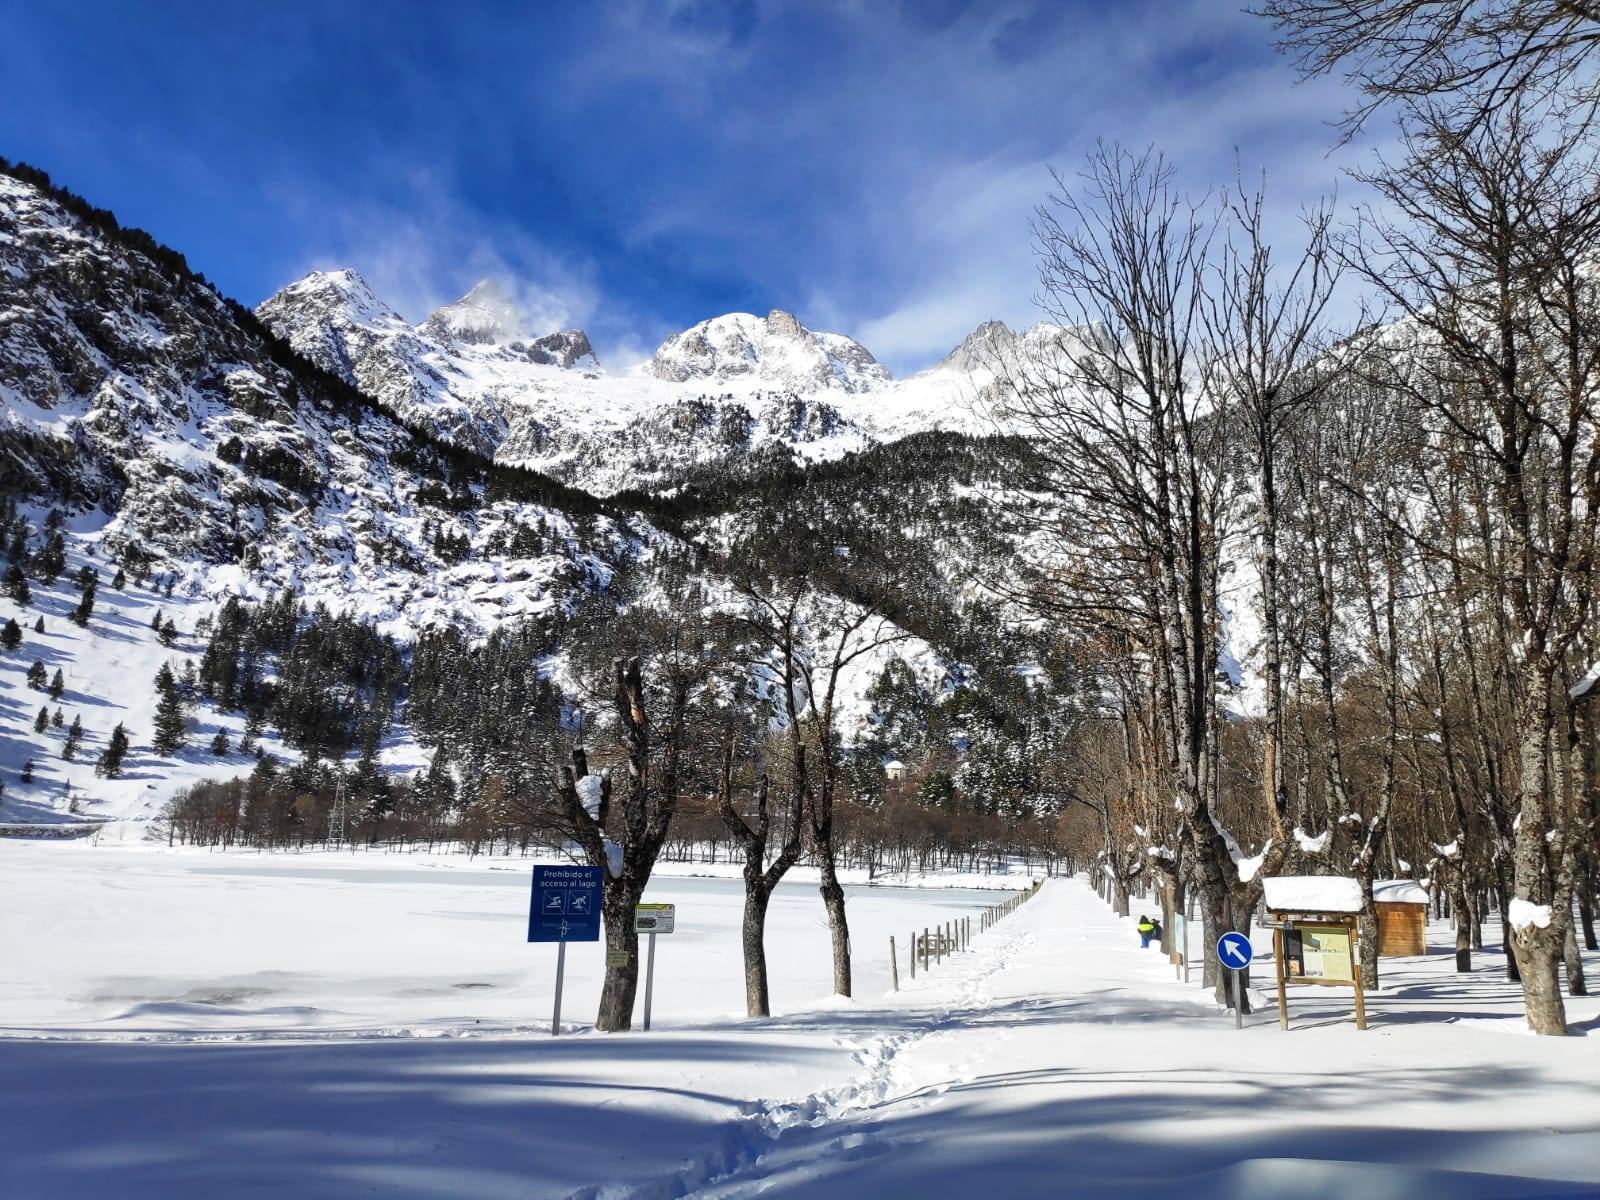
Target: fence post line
{"points": [[913, 954], [894, 965]]}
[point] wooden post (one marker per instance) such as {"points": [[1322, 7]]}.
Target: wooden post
{"points": [[894, 965], [913, 954], [1355, 961], [925, 947], [1283, 991]]}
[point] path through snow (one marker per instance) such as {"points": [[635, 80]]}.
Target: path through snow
{"points": [[1080, 1067]]}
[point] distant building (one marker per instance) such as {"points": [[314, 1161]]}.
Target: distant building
{"points": [[894, 769]]}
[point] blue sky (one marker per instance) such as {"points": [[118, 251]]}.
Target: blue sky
{"points": [[636, 167]]}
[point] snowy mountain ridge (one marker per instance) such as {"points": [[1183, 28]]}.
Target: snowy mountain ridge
{"points": [[711, 396]]}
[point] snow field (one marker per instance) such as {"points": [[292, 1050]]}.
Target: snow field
{"points": [[1055, 1059], [170, 943]]}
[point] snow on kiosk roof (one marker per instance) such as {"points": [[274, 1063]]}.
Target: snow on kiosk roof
{"points": [[1312, 893], [1398, 891]]}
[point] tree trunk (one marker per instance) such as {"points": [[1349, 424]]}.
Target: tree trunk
{"points": [[1576, 984], [1463, 925], [838, 925], [1367, 930], [1586, 911], [1539, 952], [622, 979], [756, 1000], [1513, 967]]}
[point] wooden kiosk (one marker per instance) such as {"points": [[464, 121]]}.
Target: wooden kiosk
{"points": [[1315, 936], [1402, 907]]}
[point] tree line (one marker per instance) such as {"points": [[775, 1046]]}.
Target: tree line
{"points": [[1397, 519]]}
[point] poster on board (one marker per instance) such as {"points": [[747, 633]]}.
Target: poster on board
{"points": [[1318, 952]]}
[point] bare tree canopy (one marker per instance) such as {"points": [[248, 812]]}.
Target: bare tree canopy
{"points": [[1477, 55]]}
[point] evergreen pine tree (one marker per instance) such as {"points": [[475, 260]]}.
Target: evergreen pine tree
{"points": [[56, 719], [436, 790], [109, 765], [120, 579], [38, 626], [10, 634], [15, 584], [36, 676], [74, 736], [27, 772], [52, 559], [155, 621], [169, 722], [57, 685], [168, 635], [219, 744], [252, 733], [80, 614], [42, 721]]}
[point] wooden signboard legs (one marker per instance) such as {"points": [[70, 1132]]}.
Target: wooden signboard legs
{"points": [[1283, 990]]}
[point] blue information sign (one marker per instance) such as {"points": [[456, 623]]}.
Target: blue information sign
{"points": [[1234, 951], [566, 904]]}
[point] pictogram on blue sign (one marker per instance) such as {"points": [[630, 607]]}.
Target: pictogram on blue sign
{"points": [[565, 905], [1234, 951]]}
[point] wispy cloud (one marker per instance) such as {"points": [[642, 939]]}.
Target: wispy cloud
{"points": [[634, 167]]}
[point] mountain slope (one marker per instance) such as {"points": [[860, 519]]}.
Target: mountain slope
{"points": [[189, 449]]}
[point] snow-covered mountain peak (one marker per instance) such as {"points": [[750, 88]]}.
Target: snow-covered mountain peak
{"points": [[341, 295], [779, 352], [978, 348], [488, 314]]}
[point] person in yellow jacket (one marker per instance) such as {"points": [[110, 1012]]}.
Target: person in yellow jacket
{"points": [[1147, 930]]}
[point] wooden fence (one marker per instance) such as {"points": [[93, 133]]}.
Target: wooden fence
{"points": [[936, 942]]}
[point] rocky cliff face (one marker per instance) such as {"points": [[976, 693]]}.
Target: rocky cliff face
{"points": [[453, 373]]}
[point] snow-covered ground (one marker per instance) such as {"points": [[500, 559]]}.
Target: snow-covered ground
{"points": [[143, 942], [209, 1025]]}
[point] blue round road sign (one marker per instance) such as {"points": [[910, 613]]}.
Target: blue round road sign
{"points": [[1234, 951]]}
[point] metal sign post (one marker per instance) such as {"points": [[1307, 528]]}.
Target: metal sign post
{"points": [[564, 907], [561, 971], [652, 919], [1234, 952]]}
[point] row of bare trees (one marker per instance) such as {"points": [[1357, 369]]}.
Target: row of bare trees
{"points": [[1398, 526]]}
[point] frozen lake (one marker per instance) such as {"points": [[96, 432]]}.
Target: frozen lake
{"points": [[127, 942]]}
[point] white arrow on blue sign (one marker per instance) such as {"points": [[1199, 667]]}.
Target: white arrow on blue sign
{"points": [[1234, 951]]}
